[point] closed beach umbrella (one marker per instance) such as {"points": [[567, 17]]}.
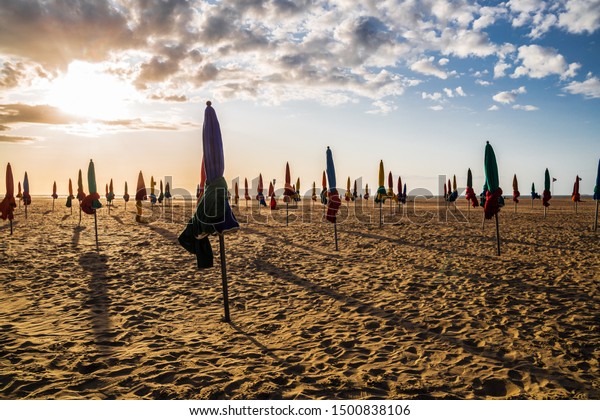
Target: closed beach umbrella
{"points": [[213, 214], [246, 194], [19, 193], [259, 192], [399, 189], [91, 202], [381, 193], [70, 197], [494, 193], [54, 195], [355, 191], [333, 201], [297, 196], [288, 191], [546, 195], [390, 191], [161, 195], [445, 191], [167, 190], [516, 193], [348, 195], [324, 190], [272, 201], [26, 195], [126, 195], [314, 191], [111, 191], [470, 193], [575, 196], [236, 197], [454, 194], [8, 204], [140, 195], [366, 195], [80, 191], [152, 190]]}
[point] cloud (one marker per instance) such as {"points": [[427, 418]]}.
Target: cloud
{"points": [[425, 66], [459, 91], [590, 88], [580, 16], [436, 108], [508, 97], [41, 114], [525, 107], [15, 139], [436, 96], [538, 62], [494, 108], [482, 82]]}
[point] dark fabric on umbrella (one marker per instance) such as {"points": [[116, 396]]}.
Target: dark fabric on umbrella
{"points": [[8, 204], [54, 195], [19, 194], [546, 195], [334, 202], [404, 194], [259, 192], [126, 195], [26, 195], [534, 195], [111, 192], [167, 190], [213, 214], [161, 195], [200, 190], [237, 193], [575, 196], [597, 187], [354, 191], [366, 196], [70, 197], [454, 194], [445, 192]]}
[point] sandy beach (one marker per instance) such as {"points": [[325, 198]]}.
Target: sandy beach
{"points": [[419, 308]]}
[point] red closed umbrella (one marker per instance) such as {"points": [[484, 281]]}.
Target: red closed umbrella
{"points": [[8, 204]]}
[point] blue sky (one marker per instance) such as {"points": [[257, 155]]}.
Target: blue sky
{"points": [[419, 84]]}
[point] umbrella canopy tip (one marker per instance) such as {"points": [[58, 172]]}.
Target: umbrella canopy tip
{"points": [[487, 142], [208, 103]]}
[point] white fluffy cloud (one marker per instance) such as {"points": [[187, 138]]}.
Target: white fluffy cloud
{"points": [[525, 107], [580, 16], [426, 66], [508, 97], [590, 88], [538, 62]]}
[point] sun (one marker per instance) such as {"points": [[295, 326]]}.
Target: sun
{"points": [[87, 91]]}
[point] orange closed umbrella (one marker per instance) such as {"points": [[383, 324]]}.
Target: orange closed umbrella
{"points": [[70, 197]]}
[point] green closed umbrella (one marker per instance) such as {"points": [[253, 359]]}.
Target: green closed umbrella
{"points": [[546, 195], [494, 192], [91, 202]]}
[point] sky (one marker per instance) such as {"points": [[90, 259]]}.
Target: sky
{"points": [[421, 85]]}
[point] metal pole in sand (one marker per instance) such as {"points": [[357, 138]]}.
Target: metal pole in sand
{"points": [[287, 205], [497, 233], [380, 213], [96, 230], [335, 235], [596, 220], [11, 229], [224, 277]]}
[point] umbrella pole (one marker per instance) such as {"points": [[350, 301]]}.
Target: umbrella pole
{"points": [[545, 211], [11, 230], [483, 222], [596, 220], [96, 230], [335, 235], [25, 211], [286, 213], [380, 214], [53, 200], [224, 278], [576, 207], [497, 233], [79, 213], [515, 207]]}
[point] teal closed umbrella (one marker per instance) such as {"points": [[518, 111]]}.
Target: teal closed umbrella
{"points": [[494, 192]]}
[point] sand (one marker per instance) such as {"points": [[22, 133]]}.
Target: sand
{"points": [[420, 308]]}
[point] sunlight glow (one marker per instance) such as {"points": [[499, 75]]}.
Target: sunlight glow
{"points": [[86, 91]]}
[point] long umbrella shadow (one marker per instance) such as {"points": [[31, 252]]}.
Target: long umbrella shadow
{"points": [[291, 369], [167, 234], [494, 355], [65, 217], [117, 218], [76, 233], [98, 301]]}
